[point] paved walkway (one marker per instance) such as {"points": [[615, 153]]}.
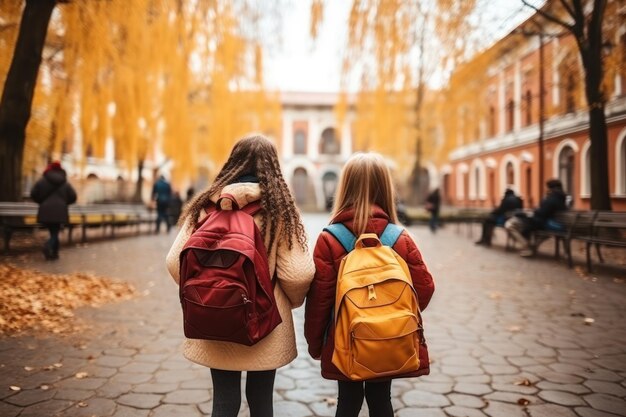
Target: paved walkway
{"points": [[507, 338]]}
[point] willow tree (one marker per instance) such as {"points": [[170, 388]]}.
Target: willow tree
{"points": [[398, 49], [17, 95], [178, 79]]}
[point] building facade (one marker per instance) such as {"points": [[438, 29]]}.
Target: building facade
{"points": [[313, 146], [494, 121]]}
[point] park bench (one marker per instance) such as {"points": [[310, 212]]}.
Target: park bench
{"points": [[594, 228], [22, 216], [608, 229]]}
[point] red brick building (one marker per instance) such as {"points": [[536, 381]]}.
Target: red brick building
{"points": [[493, 121]]}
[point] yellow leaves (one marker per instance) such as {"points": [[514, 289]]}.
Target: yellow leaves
{"points": [[317, 15], [43, 302]]}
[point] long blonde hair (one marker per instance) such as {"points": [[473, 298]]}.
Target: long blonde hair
{"points": [[365, 181]]}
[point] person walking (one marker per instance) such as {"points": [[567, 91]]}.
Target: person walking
{"points": [[162, 195], [252, 174], [433, 204], [521, 226], [498, 216], [54, 194], [365, 203]]}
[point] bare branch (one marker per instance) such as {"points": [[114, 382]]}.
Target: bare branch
{"points": [[549, 16], [569, 8]]}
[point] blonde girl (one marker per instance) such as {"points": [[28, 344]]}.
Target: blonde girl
{"points": [[365, 203]]}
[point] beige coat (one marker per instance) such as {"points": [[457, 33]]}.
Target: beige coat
{"points": [[294, 269]]}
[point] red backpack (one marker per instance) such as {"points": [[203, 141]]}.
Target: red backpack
{"points": [[225, 287]]}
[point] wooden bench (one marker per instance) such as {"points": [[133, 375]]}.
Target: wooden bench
{"points": [[22, 216], [608, 229]]}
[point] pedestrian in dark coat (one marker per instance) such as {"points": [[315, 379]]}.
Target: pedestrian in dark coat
{"points": [[521, 226], [54, 194], [162, 194], [364, 204], [498, 216]]}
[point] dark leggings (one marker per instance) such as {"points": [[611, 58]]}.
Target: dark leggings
{"points": [[377, 395], [227, 393]]}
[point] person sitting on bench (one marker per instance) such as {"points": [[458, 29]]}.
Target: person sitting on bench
{"points": [[499, 215], [520, 226]]}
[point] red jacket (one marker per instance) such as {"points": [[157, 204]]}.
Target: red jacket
{"points": [[318, 329]]}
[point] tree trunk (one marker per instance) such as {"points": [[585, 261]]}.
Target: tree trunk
{"points": [[137, 198], [17, 97], [599, 166]]}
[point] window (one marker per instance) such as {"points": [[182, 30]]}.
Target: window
{"points": [[510, 174], [529, 107], [510, 119], [570, 93], [492, 121], [329, 144], [566, 169], [299, 143], [300, 185], [529, 186]]}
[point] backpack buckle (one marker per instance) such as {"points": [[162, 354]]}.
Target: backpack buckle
{"points": [[371, 292]]}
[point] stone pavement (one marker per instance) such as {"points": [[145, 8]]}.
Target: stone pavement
{"points": [[507, 338]]}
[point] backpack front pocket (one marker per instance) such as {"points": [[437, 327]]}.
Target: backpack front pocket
{"points": [[384, 345], [216, 313]]}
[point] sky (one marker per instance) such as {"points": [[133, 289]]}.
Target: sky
{"points": [[302, 64]]}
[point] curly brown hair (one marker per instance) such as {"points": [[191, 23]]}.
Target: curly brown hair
{"points": [[256, 155]]}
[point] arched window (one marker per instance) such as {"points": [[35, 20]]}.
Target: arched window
{"points": [[329, 144], [510, 173], [529, 107], [585, 172], [299, 142], [300, 185], [566, 168]]}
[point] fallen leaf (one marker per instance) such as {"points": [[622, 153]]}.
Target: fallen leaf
{"points": [[34, 300], [15, 388], [28, 368], [589, 321], [330, 401], [58, 365], [524, 382], [82, 404], [45, 387], [523, 401], [81, 375]]}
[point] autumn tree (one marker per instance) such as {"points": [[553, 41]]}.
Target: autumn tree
{"points": [[584, 20], [397, 49], [178, 78], [17, 95]]}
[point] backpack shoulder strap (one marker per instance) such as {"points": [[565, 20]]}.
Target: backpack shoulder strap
{"points": [[343, 235], [391, 234], [252, 208]]}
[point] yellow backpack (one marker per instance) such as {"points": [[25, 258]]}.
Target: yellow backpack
{"points": [[378, 327]]}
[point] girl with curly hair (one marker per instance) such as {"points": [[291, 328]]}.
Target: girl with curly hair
{"points": [[252, 173]]}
